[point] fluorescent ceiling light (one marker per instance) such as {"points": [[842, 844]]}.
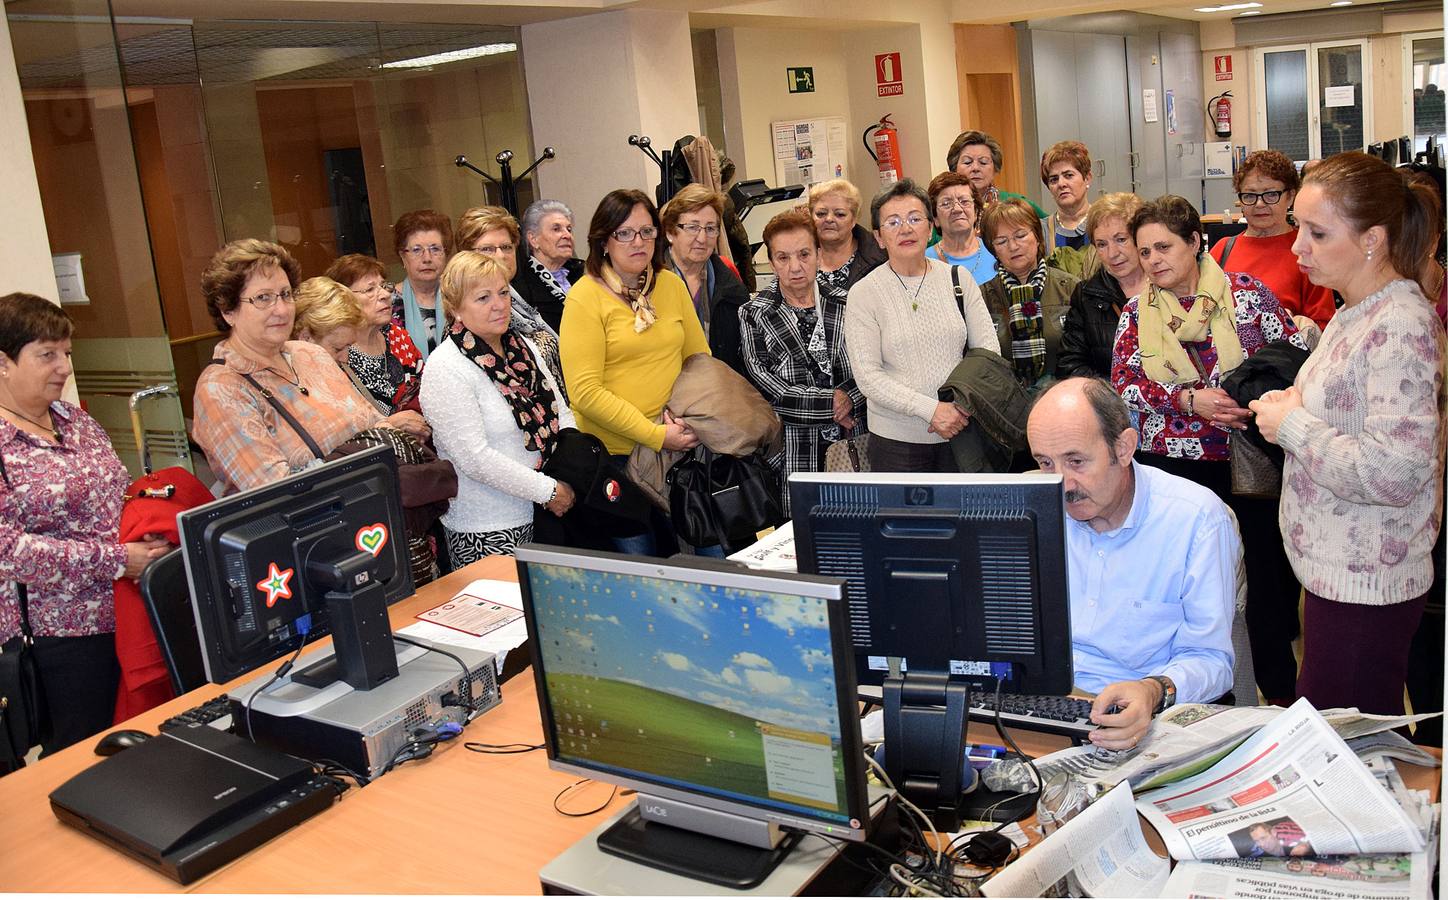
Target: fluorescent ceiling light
{"points": [[1341, 3], [1228, 7], [437, 59], [1250, 12]]}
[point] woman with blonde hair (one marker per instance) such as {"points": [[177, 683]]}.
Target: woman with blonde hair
{"points": [[692, 221], [493, 231], [1114, 276], [496, 412], [848, 251], [383, 356]]}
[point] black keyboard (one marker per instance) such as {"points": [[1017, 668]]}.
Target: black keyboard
{"points": [[205, 714], [1070, 716]]}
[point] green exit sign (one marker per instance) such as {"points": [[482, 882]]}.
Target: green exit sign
{"points": [[801, 79]]}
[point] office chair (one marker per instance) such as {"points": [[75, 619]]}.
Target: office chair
{"points": [[168, 604]]}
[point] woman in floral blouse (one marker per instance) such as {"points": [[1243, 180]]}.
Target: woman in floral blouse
{"points": [[60, 513]]}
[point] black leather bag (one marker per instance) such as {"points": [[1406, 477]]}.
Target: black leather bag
{"points": [[22, 701], [719, 499]]}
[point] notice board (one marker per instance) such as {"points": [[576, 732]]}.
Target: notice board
{"points": [[808, 151]]}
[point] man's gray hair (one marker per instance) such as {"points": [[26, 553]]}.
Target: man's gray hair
{"points": [[533, 215], [1112, 416]]}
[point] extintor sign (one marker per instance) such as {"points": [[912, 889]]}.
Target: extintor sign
{"points": [[889, 82]]}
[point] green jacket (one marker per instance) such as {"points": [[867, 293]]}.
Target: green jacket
{"points": [[985, 386]]}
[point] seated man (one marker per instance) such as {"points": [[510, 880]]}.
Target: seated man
{"points": [[1152, 564]]}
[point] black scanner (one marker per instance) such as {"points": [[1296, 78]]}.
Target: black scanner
{"points": [[189, 800]]}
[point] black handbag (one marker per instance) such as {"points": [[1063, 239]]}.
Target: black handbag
{"points": [[719, 499], [23, 718]]}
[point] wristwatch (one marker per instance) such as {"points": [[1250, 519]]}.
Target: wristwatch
{"points": [[1168, 693]]}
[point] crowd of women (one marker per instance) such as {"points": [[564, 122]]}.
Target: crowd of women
{"points": [[498, 342]]}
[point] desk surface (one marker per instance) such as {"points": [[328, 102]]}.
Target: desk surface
{"points": [[457, 822]]}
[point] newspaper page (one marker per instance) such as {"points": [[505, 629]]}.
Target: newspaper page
{"points": [[1102, 852], [1293, 789], [1387, 876], [774, 552]]}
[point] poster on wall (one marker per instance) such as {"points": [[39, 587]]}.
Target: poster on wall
{"points": [[808, 151]]}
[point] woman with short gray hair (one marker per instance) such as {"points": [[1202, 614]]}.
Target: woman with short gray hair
{"points": [[546, 266]]}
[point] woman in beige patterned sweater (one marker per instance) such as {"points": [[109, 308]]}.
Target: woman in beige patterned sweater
{"points": [[1363, 430]]}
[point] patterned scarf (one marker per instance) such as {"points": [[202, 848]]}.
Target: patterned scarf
{"points": [[547, 278], [1163, 325], [520, 381], [638, 298], [1026, 324]]}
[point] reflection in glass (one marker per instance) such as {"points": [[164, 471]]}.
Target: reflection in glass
{"points": [[1428, 84], [1286, 80], [1340, 94]]}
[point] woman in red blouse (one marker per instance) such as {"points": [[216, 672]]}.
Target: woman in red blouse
{"points": [[60, 513]]}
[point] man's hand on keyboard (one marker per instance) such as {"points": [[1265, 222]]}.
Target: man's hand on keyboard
{"points": [[1122, 729]]}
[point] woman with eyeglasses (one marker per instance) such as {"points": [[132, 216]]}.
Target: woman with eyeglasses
{"points": [[904, 335], [423, 240], [268, 406], [1028, 298], [847, 251], [957, 206], [492, 231], [382, 356], [628, 326], [692, 220], [1267, 185]]}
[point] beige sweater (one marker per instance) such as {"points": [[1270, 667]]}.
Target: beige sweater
{"points": [[1363, 481], [903, 346]]}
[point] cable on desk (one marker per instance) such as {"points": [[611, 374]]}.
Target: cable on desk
{"points": [[578, 815], [334, 769], [468, 702], [502, 749]]}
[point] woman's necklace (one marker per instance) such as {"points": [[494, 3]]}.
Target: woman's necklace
{"points": [[296, 379], [54, 432], [913, 298]]}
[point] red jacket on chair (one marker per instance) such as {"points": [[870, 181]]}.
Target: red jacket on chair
{"points": [[145, 682]]}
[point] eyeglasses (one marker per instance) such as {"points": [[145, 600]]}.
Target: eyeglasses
{"points": [[1020, 237], [491, 249], [1268, 197], [626, 235], [693, 228], [949, 204], [265, 301], [419, 250], [895, 223]]}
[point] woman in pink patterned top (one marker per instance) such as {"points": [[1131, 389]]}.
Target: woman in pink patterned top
{"points": [[60, 513], [258, 372], [1363, 431]]}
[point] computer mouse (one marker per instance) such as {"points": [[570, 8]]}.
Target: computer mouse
{"points": [[117, 741]]}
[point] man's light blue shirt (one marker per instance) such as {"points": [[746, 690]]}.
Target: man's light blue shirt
{"points": [[1156, 596]]}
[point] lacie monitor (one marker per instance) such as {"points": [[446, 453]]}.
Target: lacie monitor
{"points": [[323, 551], [724, 696], [958, 582]]}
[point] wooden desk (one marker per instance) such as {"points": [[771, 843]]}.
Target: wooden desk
{"points": [[456, 823]]}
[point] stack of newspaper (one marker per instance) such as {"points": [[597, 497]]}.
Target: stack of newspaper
{"points": [[1258, 803]]}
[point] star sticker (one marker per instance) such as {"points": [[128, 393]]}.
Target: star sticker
{"points": [[277, 585]]}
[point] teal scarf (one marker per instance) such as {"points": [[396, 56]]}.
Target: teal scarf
{"points": [[412, 320]]}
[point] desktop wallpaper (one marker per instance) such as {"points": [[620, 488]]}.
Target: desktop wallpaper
{"points": [[695, 685]]}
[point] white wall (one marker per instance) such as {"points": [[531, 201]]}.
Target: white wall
{"points": [[908, 111], [24, 245], [593, 81]]}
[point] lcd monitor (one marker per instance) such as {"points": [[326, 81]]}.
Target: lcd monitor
{"points": [[321, 552], [725, 697]]}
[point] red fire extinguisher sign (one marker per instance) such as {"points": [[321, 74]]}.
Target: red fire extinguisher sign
{"points": [[888, 80]]}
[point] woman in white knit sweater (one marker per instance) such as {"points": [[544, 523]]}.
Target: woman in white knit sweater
{"points": [[905, 332], [495, 414], [1363, 432]]}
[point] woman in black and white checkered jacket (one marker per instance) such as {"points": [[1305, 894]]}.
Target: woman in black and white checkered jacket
{"points": [[793, 343]]}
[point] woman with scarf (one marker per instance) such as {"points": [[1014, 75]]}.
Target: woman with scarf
{"points": [[491, 230], [628, 326], [423, 240], [1190, 327], [495, 413], [382, 357], [1028, 298], [548, 270]]}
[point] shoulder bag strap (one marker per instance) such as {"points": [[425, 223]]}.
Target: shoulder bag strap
{"points": [[20, 592], [281, 411], [959, 291], [1227, 251]]}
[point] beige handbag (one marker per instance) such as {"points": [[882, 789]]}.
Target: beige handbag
{"points": [[849, 455]]}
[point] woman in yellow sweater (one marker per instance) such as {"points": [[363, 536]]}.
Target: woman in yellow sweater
{"points": [[628, 326]]}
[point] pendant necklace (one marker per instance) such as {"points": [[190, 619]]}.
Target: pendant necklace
{"points": [[913, 298], [54, 432]]}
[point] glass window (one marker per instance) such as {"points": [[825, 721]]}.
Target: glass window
{"points": [[1428, 77], [1286, 84], [1313, 100], [1340, 99]]}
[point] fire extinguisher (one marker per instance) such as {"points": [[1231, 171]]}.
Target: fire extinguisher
{"points": [[884, 148], [1220, 108]]}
